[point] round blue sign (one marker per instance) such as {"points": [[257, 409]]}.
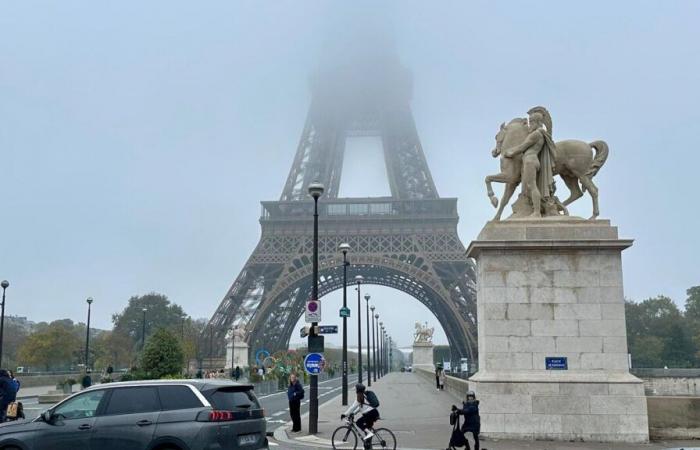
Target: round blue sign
{"points": [[314, 363]]}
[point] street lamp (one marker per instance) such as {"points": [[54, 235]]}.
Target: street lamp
{"points": [[391, 347], [316, 191], [369, 357], [375, 338], [5, 284], [359, 279], [345, 248], [87, 336], [143, 329], [381, 343]]}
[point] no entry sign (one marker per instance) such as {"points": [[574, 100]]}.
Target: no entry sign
{"points": [[313, 311]]}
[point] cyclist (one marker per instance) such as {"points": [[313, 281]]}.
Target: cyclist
{"points": [[365, 403]]}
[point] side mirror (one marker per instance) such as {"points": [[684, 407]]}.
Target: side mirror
{"points": [[47, 416]]}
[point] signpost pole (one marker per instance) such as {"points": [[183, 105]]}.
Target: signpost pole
{"points": [[315, 190], [344, 248]]}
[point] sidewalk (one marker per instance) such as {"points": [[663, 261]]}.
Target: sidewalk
{"points": [[418, 414], [415, 411]]}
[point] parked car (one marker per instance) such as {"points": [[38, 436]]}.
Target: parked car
{"points": [[138, 415]]}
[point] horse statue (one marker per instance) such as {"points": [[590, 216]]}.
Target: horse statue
{"points": [[423, 333], [575, 163]]}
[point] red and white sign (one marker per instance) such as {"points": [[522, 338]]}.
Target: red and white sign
{"points": [[313, 311]]}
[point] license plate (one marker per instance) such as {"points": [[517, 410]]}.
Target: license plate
{"points": [[247, 439]]}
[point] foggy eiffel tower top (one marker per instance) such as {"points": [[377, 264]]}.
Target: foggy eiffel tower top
{"points": [[367, 97]]}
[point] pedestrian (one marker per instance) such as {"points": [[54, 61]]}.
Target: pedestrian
{"points": [[15, 381], [472, 420], [8, 394], [441, 380], [86, 381], [295, 393], [237, 373], [437, 377], [261, 373]]}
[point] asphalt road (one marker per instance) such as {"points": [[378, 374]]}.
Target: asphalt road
{"points": [[277, 406]]}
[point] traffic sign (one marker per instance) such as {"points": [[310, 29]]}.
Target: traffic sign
{"points": [[344, 312], [328, 329], [313, 311], [314, 363]]}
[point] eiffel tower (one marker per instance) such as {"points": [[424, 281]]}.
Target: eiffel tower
{"points": [[407, 241]]}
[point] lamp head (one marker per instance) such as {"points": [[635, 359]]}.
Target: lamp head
{"points": [[316, 189], [372, 308], [376, 316], [367, 297], [359, 279], [5, 284], [89, 300], [144, 309], [344, 247]]}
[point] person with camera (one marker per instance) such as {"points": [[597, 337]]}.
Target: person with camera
{"points": [[472, 420]]}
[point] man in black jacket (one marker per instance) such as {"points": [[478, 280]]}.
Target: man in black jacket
{"points": [[472, 420], [8, 393], [295, 393]]}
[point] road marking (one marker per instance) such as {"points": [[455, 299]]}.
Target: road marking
{"points": [[320, 382], [278, 413]]}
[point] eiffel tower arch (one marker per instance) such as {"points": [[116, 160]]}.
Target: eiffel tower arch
{"points": [[407, 241]]}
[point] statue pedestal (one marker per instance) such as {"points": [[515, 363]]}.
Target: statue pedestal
{"points": [[553, 358], [237, 354], [423, 355]]}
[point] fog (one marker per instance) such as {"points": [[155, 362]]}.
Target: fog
{"points": [[138, 138]]}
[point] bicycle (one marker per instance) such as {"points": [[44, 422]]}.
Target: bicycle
{"points": [[346, 437]]}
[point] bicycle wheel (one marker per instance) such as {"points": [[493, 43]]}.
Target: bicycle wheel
{"points": [[344, 438], [383, 439]]}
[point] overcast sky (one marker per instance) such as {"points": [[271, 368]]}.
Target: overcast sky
{"points": [[138, 138]]}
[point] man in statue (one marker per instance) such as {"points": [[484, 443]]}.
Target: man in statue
{"points": [[539, 156]]}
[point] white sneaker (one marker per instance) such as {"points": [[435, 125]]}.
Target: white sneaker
{"points": [[368, 436]]}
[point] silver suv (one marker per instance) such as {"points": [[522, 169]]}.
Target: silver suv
{"points": [[147, 415]]}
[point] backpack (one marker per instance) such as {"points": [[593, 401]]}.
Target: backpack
{"points": [[372, 399], [457, 438]]}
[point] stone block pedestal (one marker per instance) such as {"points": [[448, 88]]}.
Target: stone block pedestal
{"points": [[553, 360], [423, 355], [236, 355]]}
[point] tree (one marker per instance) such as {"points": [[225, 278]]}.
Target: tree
{"points": [[160, 314], [54, 347], [162, 355], [658, 335], [111, 348]]}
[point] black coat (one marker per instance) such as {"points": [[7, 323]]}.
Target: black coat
{"points": [[470, 411], [295, 392]]}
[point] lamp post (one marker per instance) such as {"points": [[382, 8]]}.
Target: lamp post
{"points": [[369, 357], [381, 343], [143, 329], [359, 279], [386, 353], [390, 354], [315, 191], [5, 284], [374, 343], [345, 248], [87, 336]]}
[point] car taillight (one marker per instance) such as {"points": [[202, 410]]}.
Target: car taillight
{"points": [[220, 416]]}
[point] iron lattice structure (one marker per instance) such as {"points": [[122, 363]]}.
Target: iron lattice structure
{"points": [[407, 241]]}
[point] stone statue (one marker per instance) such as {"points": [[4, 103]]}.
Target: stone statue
{"points": [[236, 334], [423, 333], [529, 154]]}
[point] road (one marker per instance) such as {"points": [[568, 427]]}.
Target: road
{"points": [[277, 406]]}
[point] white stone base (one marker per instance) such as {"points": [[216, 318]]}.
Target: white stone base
{"points": [[423, 355], [553, 289], [237, 355], [531, 407]]}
